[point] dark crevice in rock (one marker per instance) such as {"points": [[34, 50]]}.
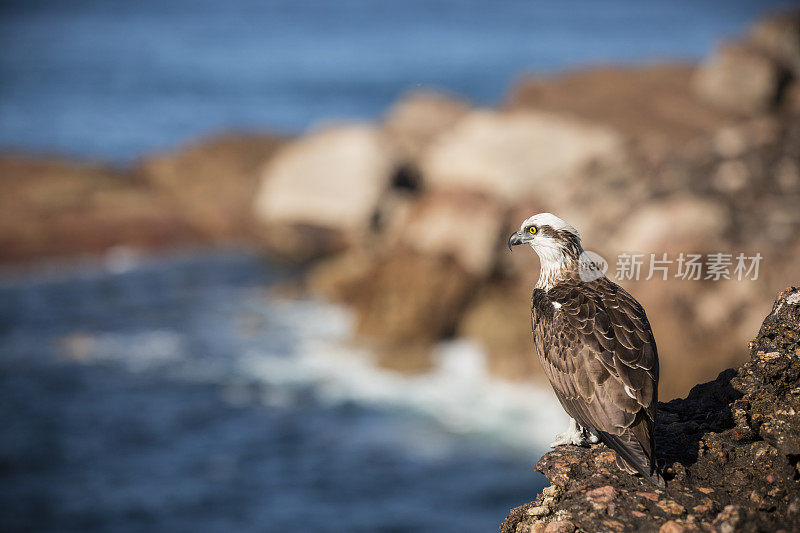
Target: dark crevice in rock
{"points": [[406, 178]]}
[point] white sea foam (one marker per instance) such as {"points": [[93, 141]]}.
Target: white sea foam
{"points": [[137, 352], [302, 346], [458, 392]]}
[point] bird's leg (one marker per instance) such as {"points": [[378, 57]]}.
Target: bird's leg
{"points": [[573, 435], [590, 435]]}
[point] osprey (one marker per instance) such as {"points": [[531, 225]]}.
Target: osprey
{"points": [[595, 345]]}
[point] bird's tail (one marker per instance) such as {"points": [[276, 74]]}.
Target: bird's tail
{"points": [[632, 457]]}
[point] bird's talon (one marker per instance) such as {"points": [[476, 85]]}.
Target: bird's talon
{"points": [[573, 435]]}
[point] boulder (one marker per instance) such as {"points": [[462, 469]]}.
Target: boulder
{"points": [[419, 117], [403, 302], [740, 77], [653, 105], [679, 223], [56, 208], [466, 227], [779, 34], [405, 298], [517, 154], [336, 278], [212, 182], [791, 97], [332, 178], [498, 317], [736, 140]]}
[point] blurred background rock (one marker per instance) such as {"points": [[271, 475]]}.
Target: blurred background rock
{"points": [[393, 196]]}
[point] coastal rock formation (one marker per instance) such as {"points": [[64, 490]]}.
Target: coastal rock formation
{"points": [[331, 179], [321, 193], [741, 78], [436, 221], [513, 155], [194, 195], [779, 34], [426, 296], [634, 159], [54, 208], [496, 318], [730, 451], [678, 222], [631, 156], [753, 75], [654, 106], [417, 119], [225, 168]]}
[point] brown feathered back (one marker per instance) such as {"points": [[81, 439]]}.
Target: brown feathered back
{"points": [[597, 349]]}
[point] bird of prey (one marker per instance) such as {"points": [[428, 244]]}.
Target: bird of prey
{"points": [[595, 345]]}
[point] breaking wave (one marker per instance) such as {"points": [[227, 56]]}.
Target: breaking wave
{"points": [[284, 352]]}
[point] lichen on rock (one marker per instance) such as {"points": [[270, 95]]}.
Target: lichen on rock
{"points": [[730, 452]]}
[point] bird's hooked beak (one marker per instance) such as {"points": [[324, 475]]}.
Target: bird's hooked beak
{"points": [[515, 239]]}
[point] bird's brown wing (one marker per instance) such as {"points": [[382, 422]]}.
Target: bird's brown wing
{"points": [[598, 351]]}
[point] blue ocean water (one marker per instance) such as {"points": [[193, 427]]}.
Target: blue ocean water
{"points": [[180, 394], [114, 80]]}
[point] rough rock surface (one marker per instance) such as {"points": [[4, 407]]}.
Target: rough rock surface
{"points": [[731, 452]]}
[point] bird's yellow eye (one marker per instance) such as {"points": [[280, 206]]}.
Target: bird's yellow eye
{"points": [[533, 230]]}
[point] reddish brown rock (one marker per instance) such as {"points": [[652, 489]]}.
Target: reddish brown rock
{"points": [[560, 526], [198, 194], [408, 298], [601, 496], [671, 527], [212, 182], [654, 105], [728, 520], [671, 507], [56, 208], [679, 222]]}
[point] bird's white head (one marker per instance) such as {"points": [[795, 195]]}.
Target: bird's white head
{"points": [[557, 244]]}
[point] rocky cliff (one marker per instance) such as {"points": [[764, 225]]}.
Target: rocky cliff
{"points": [[730, 452]]}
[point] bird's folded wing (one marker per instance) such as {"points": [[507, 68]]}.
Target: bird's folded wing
{"points": [[598, 351]]}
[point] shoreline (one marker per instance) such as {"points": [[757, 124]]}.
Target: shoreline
{"points": [[651, 159]]}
